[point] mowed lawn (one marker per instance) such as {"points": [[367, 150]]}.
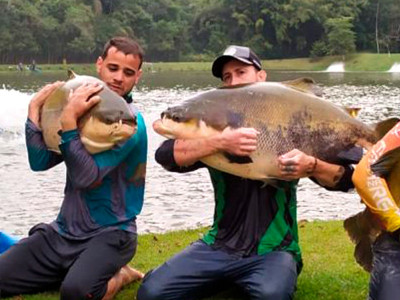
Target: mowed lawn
{"points": [[329, 272]]}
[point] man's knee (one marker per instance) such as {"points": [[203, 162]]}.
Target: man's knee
{"points": [[276, 292], [75, 291], [148, 291]]}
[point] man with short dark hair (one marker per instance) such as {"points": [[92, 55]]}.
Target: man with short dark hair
{"points": [[253, 242], [86, 249]]}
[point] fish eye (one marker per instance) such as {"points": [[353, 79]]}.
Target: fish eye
{"points": [[109, 121], [176, 118]]}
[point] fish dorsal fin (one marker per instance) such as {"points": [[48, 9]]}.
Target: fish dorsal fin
{"points": [[71, 74], [384, 165], [305, 85], [381, 128], [352, 111]]}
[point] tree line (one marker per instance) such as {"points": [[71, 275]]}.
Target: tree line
{"points": [[50, 31]]}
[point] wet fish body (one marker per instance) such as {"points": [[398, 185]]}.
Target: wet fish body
{"points": [[109, 122], [364, 228], [286, 117]]}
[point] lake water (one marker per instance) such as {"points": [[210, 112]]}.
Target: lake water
{"points": [[172, 201]]}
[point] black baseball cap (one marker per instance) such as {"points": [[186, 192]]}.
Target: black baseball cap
{"points": [[243, 54]]}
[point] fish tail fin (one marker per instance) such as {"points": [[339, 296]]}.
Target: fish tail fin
{"points": [[382, 127], [362, 231], [384, 165]]}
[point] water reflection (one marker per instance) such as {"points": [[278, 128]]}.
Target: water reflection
{"points": [[336, 76]]}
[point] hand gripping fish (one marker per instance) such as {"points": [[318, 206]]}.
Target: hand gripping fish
{"points": [[109, 122]]}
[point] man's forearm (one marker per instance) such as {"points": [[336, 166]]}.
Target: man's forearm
{"points": [[34, 114], [68, 122], [189, 151], [328, 174]]}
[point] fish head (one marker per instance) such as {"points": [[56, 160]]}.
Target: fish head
{"points": [[194, 118], [109, 122], [182, 128]]}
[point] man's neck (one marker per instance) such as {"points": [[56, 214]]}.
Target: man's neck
{"points": [[128, 97]]}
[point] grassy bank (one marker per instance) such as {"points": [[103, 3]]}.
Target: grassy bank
{"points": [[354, 62], [329, 272]]}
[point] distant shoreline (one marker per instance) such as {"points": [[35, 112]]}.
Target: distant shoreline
{"points": [[353, 62]]}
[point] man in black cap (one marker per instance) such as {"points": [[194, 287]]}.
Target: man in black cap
{"points": [[243, 56], [253, 242]]}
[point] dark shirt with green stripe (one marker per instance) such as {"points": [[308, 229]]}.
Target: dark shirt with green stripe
{"points": [[250, 217]]}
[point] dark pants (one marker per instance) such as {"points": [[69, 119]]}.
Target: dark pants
{"points": [[81, 269], [198, 271], [385, 274]]}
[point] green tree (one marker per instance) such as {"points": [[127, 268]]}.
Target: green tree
{"points": [[341, 37]]}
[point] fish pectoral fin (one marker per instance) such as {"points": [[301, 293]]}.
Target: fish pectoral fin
{"points": [[363, 254], [237, 159], [384, 165], [272, 182], [362, 230], [382, 127], [305, 85]]}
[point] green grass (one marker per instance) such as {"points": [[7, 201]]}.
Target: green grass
{"points": [[329, 272], [353, 62]]}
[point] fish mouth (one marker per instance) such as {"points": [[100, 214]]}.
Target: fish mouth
{"points": [[188, 129], [118, 117], [175, 114], [131, 123], [124, 130], [162, 128]]}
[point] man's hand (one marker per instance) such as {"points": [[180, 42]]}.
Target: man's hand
{"points": [[79, 102], [39, 99], [241, 141], [296, 164]]}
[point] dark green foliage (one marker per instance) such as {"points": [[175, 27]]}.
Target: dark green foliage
{"points": [[176, 30]]}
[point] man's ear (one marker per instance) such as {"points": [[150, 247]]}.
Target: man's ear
{"points": [[99, 63], [138, 76], [262, 75]]}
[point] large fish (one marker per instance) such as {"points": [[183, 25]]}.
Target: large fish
{"points": [[363, 228], [288, 115], [106, 124]]}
